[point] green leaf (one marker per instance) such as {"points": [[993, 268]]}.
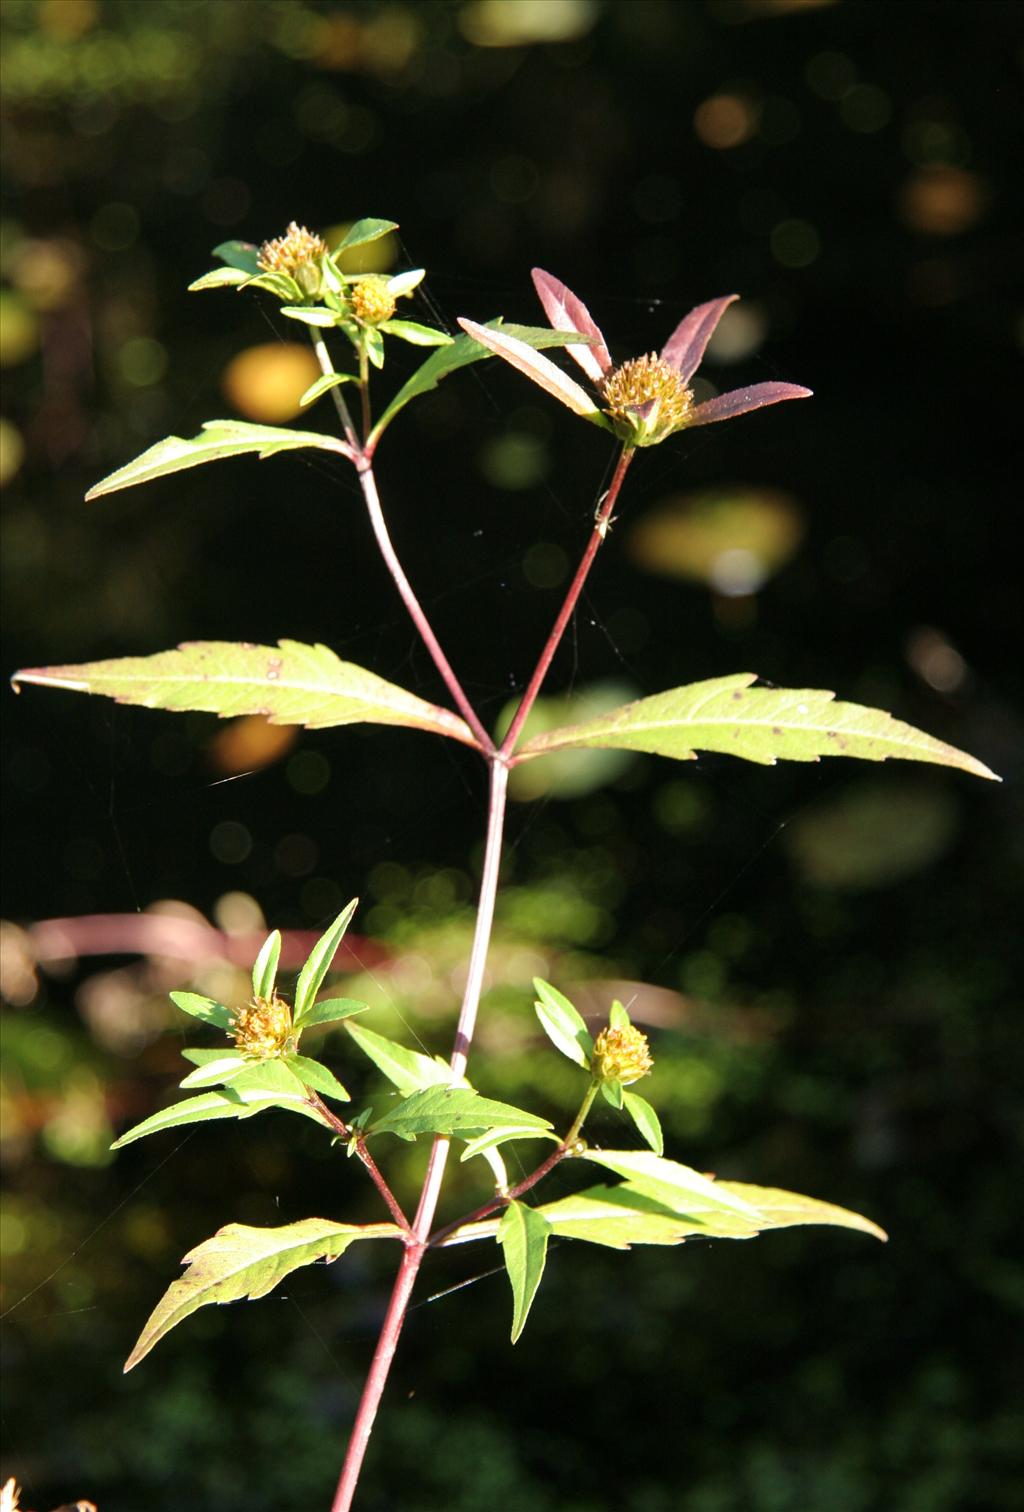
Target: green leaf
{"points": [[217, 440], [312, 1074], [203, 1008], [322, 385], [780, 1209], [450, 1110], [523, 1235], [612, 1093], [288, 683], [502, 1135], [239, 254], [264, 971], [677, 1186], [416, 334], [764, 725], [240, 1261], [646, 1120], [219, 278], [404, 283], [463, 351], [330, 1010], [213, 1105], [563, 1024], [318, 962], [215, 1067], [364, 231], [407, 1069], [373, 343], [268, 1076], [281, 285], [311, 315], [618, 1018]]}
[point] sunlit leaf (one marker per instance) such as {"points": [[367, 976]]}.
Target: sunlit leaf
{"points": [[562, 1023], [646, 1120], [322, 385], [288, 684], [611, 1091], [416, 334], [502, 1135], [331, 1010], [541, 370], [311, 315], [264, 971], [312, 1074], [270, 1075], [214, 1067], [677, 1186], [240, 1261], [407, 1069], [203, 1008], [219, 278], [363, 231], [404, 283], [319, 960], [213, 1105], [447, 1110], [239, 254], [217, 440], [523, 1235], [764, 725]]}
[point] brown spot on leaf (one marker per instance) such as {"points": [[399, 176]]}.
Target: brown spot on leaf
{"points": [[776, 729], [274, 666]]}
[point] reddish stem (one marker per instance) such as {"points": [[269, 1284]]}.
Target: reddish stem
{"points": [[342, 1130], [500, 1199], [598, 534]]}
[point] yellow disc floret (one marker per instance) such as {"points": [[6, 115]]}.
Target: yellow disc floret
{"points": [[647, 398], [372, 300], [620, 1055], [263, 1027]]}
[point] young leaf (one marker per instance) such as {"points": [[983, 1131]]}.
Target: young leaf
{"points": [[677, 1186], [202, 1008], [373, 342], [562, 1024], [618, 1018], [612, 1093], [364, 231], [269, 1076], [330, 1010], [416, 334], [462, 351], [319, 960], [288, 684], [322, 385], [264, 972], [219, 278], [311, 315], [404, 283], [450, 1110], [764, 725], [215, 1068], [240, 1261], [503, 1134], [239, 254], [217, 440], [646, 1120], [408, 1070], [312, 1074], [212, 1105], [282, 285], [523, 1235]]}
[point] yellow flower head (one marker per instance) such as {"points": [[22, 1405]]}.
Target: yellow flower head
{"points": [[263, 1027], [298, 254], [621, 1055], [372, 299]]}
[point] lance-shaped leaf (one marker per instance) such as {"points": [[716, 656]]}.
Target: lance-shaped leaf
{"points": [[219, 278], [330, 1010], [416, 334], [677, 1186], [215, 1105], [312, 1074], [452, 1110], [289, 683], [562, 1024], [214, 1067], [318, 962], [541, 369], [363, 231], [240, 1261], [240, 254], [646, 1120], [462, 351], [765, 725], [202, 1008], [217, 440], [407, 1069], [322, 385], [264, 971], [523, 1234], [503, 1135]]}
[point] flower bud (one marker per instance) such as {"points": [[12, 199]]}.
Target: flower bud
{"points": [[298, 254], [620, 1055], [263, 1027]]}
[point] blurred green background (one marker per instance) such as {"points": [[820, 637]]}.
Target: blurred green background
{"points": [[823, 957]]}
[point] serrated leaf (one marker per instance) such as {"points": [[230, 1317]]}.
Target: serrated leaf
{"points": [[218, 439], [677, 1186], [461, 353], [562, 1023], [331, 1010], [502, 1135], [240, 1261], [763, 725], [215, 1067], [318, 962], [646, 1120], [407, 1069], [288, 684], [239, 254], [311, 315], [219, 278], [312, 1074], [523, 1235], [449, 1110], [322, 385], [213, 1105], [363, 231], [264, 971], [202, 1008], [416, 334]]}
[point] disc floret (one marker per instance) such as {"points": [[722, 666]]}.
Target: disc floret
{"points": [[263, 1027], [646, 399]]}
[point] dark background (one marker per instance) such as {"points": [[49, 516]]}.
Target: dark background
{"points": [[833, 945]]}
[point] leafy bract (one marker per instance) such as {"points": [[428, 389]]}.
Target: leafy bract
{"points": [[764, 725], [264, 971], [318, 962], [202, 1008], [289, 683], [330, 1010], [451, 1110], [562, 1024], [217, 440], [240, 1261], [677, 1186], [523, 1234], [646, 1120], [408, 1070], [462, 351]]}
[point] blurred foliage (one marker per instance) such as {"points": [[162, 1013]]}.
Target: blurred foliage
{"points": [[823, 959]]}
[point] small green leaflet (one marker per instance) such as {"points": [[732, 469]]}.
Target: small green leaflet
{"points": [[240, 254], [213, 1105], [367, 230], [240, 1261], [451, 1110], [763, 725], [289, 683], [408, 1070], [677, 1186], [312, 1074], [320, 387], [330, 1010], [202, 1008], [462, 351], [319, 960], [646, 1120], [217, 440], [523, 1235], [264, 971], [563, 1024]]}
